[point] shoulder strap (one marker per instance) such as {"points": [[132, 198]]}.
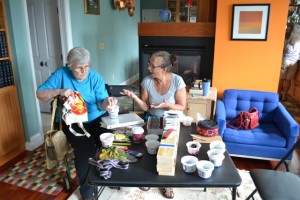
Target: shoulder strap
{"points": [[231, 120], [54, 106]]}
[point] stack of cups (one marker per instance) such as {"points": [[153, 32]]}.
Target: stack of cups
{"points": [[216, 153]]}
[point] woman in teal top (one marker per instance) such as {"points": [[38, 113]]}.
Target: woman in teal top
{"points": [[162, 90], [78, 76]]}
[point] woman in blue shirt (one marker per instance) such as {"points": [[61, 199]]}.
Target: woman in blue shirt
{"points": [[78, 76]]}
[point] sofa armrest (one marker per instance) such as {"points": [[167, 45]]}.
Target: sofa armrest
{"points": [[220, 116], [286, 123]]}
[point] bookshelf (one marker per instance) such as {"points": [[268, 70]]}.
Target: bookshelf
{"points": [[12, 142], [202, 10]]}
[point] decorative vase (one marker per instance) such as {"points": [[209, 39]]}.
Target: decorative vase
{"points": [[165, 15]]}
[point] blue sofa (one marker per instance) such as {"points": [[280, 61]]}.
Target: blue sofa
{"points": [[271, 140]]}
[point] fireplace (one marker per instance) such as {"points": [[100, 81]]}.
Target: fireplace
{"points": [[195, 55]]}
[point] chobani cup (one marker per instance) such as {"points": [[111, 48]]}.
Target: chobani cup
{"points": [[137, 134], [205, 168], [152, 146], [106, 139], [114, 113]]}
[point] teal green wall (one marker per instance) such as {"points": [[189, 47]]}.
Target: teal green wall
{"points": [[22, 69], [116, 29]]}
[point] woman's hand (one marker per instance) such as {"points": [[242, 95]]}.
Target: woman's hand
{"points": [[163, 104], [111, 102], [129, 93], [65, 92]]}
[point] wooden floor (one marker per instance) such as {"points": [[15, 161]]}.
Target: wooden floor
{"points": [[8, 191]]}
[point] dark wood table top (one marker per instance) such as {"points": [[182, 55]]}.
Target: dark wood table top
{"points": [[143, 173]]}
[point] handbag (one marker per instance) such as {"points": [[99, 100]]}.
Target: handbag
{"points": [[56, 144], [245, 120], [75, 111]]}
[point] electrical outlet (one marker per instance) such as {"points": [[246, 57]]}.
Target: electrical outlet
{"points": [[113, 77], [101, 46]]}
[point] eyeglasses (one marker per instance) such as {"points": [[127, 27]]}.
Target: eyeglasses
{"points": [[152, 66], [82, 68]]}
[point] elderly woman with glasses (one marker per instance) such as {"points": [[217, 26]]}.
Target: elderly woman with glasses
{"points": [[162, 90], [78, 76]]}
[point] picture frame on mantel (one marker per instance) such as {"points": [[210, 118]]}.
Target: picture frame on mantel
{"points": [[250, 21], [92, 7]]}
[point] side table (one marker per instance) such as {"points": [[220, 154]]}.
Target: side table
{"points": [[205, 105]]}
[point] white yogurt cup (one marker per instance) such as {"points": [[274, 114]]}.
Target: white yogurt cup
{"points": [[189, 163], [205, 168]]}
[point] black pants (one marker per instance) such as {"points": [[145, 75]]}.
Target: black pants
{"points": [[84, 148]]}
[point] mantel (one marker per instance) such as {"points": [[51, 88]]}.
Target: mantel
{"points": [[198, 29]]}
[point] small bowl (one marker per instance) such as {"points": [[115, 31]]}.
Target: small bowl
{"points": [[217, 160], [107, 139], [215, 152], [152, 146], [151, 137], [187, 121], [217, 145], [189, 163], [193, 147], [205, 168]]}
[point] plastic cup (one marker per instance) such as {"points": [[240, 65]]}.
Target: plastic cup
{"points": [[151, 137], [106, 139], [193, 147], [152, 146], [206, 87], [217, 145], [189, 163], [217, 160], [114, 112], [214, 152], [187, 121], [205, 168], [137, 134]]}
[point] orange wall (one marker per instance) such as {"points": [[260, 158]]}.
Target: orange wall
{"points": [[253, 65]]}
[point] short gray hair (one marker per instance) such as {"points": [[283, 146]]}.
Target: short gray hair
{"points": [[78, 55]]}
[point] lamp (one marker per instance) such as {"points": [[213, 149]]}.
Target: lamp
{"points": [[122, 4]]}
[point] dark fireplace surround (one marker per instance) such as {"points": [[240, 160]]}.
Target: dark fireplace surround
{"points": [[195, 55]]}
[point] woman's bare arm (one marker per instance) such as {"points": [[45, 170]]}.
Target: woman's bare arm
{"points": [[46, 95]]}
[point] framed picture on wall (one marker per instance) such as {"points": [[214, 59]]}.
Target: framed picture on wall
{"points": [[250, 21], [92, 7]]}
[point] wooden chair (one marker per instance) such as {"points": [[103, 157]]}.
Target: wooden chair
{"points": [[274, 184]]}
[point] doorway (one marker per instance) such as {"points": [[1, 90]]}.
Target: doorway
{"points": [[45, 40], [50, 33]]}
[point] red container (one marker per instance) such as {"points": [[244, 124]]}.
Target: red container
{"points": [[207, 128]]}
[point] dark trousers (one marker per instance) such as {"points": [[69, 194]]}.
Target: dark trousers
{"points": [[84, 148]]}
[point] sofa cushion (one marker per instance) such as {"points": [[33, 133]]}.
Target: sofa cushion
{"points": [[242, 100], [263, 135]]}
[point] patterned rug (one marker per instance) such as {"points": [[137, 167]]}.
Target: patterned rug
{"points": [[133, 193], [32, 173]]}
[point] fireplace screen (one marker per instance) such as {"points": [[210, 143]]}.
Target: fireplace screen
{"points": [[188, 68]]}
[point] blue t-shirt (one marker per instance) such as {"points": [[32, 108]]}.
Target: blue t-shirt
{"points": [[92, 89]]}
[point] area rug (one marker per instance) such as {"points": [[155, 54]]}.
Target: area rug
{"points": [[32, 173], [127, 193]]}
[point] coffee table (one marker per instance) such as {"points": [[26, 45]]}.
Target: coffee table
{"points": [[143, 173]]}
